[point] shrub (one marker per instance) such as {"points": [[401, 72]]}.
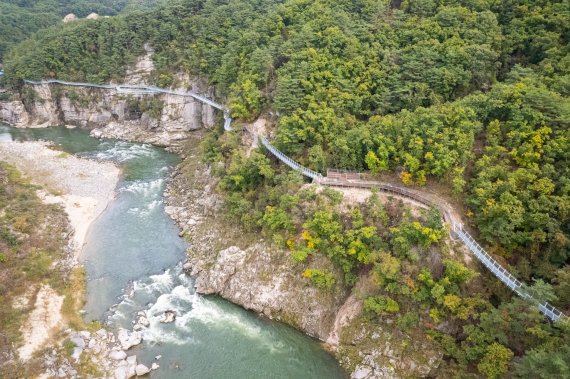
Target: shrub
{"points": [[322, 279]]}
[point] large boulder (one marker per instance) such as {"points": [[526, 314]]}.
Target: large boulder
{"points": [[142, 370], [117, 355], [128, 339]]}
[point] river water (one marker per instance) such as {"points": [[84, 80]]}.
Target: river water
{"points": [[133, 258]]}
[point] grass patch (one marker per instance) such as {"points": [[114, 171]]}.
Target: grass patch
{"points": [[31, 241]]}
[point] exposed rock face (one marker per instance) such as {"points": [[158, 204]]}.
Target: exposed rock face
{"points": [[248, 271], [245, 269], [161, 119], [139, 73], [382, 351], [14, 113], [70, 17], [265, 280]]}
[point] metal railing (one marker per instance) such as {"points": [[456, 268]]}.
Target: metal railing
{"points": [[503, 275], [130, 89], [491, 264], [288, 161]]}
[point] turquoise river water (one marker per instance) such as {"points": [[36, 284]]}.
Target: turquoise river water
{"points": [[133, 261]]}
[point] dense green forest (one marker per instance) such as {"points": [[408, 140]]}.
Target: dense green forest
{"points": [[471, 95], [21, 18]]}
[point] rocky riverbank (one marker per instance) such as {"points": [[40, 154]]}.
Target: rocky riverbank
{"points": [[161, 119], [83, 188], [248, 270], [241, 267]]}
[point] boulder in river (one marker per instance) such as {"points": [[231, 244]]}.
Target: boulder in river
{"points": [[143, 321], [169, 316]]}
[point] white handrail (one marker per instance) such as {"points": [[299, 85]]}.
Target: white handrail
{"points": [[288, 161], [141, 90]]}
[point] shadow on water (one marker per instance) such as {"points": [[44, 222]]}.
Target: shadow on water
{"points": [[132, 260]]}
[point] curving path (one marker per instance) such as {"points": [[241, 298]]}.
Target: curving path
{"points": [[456, 231]]}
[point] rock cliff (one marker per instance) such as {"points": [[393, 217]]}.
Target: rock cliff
{"points": [[244, 268], [249, 271], [160, 119]]}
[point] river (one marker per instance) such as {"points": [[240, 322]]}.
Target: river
{"points": [[133, 258]]}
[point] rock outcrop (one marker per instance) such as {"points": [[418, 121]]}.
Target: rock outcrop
{"points": [[14, 113], [248, 271], [70, 17], [102, 348], [382, 351], [266, 281], [161, 119], [243, 268]]}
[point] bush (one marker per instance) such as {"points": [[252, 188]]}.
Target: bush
{"points": [[380, 305], [323, 280]]}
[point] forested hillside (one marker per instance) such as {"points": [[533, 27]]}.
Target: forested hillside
{"points": [[21, 18], [471, 95]]}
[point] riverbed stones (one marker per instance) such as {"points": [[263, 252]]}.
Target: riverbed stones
{"points": [[117, 355], [141, 369], [131, 365], [121, 372], [128, 339], [102, 333], [132, 360]]}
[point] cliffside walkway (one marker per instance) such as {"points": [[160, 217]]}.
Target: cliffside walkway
{"points": [[355, 180], [335, 178], [129, 89], [290, 162]]}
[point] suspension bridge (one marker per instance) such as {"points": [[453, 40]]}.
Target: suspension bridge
{"points": [[457, 230]]}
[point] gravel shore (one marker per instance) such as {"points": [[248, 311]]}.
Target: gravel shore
{"points": [[84, 187]]}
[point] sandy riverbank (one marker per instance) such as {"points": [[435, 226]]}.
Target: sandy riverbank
{"points": [[84, 188]]}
